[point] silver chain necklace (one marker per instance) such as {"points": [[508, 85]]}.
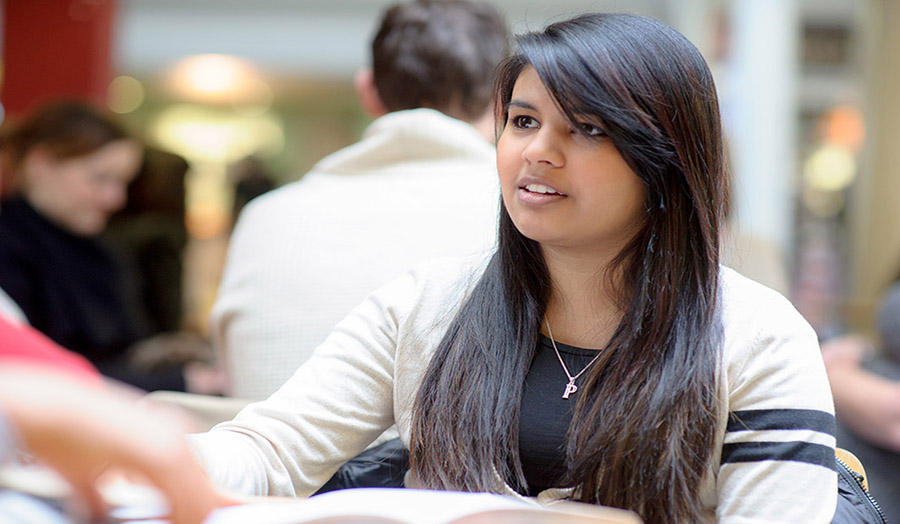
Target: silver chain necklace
{"points": [[570, 387]]}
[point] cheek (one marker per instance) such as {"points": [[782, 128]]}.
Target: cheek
{"points": [[632, 202], [86, 195], [86, 190], [617, 192], [71, 187], [637, 193]]}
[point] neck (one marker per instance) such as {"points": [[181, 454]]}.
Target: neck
{"points": [[584, 306]]}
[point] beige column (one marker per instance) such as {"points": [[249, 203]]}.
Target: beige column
{"points": [[760, 117], [874, 220]]}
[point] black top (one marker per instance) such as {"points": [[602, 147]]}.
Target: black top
{"points": [[73, 290], [545, 415]]}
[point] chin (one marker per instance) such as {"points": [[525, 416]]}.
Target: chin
{"points": [[89, 229]]}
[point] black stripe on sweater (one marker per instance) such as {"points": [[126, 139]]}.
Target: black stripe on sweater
{"points": [[784, 419], [805, 452]]}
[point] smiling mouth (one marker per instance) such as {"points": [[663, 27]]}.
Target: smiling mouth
{"points": [[541, 189]]}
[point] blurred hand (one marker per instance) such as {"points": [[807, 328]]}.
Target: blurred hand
{"points": [[202, 373], [845, 351], [865, 402], [79, 429], [205, 379]]}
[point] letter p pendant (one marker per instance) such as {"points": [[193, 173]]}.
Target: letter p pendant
{"points": [[570, 388]]}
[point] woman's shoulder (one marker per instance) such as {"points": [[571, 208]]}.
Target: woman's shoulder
{"points": [[439, 284], [754, 315], [427, 290], [743, 297], [762, 323]]}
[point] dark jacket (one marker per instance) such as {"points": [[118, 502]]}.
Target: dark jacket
{"points": [[72, 289]]}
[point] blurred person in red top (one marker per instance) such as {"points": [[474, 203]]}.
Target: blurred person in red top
{"points": [[21, 345]]}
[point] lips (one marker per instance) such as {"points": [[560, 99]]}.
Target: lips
{"points": [[537, 192], [541, 188]]}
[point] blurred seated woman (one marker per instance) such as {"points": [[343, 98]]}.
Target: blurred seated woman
{"points": [[71, 166]]}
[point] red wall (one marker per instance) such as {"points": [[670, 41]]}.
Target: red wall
{"points": [[55, 49]]}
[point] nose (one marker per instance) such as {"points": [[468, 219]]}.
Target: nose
{"points": [[544, 148]]}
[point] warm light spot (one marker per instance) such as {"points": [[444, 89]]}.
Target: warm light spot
{"points": [[206, 219], [213, 135], [209, 74], [210, 138], [124, 94], [830, 168], [844, 126], [222, 79]]}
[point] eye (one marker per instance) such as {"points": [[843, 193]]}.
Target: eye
{"points": [[591, 130], [523, 122]]}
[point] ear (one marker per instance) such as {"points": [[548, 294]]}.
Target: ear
{"points": [[364, 82]]}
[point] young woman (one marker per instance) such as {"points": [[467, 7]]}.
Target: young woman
{"points": [[602, 354], [72, 166]]}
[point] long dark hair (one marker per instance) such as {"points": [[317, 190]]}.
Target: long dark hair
{"points": [[645, 422], [68, 129]]}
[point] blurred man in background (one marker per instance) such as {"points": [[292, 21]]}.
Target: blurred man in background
{"points": [[420, 184]]}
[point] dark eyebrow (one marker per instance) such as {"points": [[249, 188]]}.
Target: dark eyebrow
{"points": [[519, 103]]}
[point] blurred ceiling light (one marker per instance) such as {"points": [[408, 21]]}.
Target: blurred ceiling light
{"points": [[830, 168], [844, 125], [124, 94], [213, 135], [218, 79]]}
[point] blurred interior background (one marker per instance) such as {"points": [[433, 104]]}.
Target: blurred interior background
{"points": [[257, 91]]}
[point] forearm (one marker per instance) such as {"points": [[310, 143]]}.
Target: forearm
{"points": [[868, 404]]}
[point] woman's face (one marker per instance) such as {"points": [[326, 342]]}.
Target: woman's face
{"points": [[79, 194], [560, 187]]}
